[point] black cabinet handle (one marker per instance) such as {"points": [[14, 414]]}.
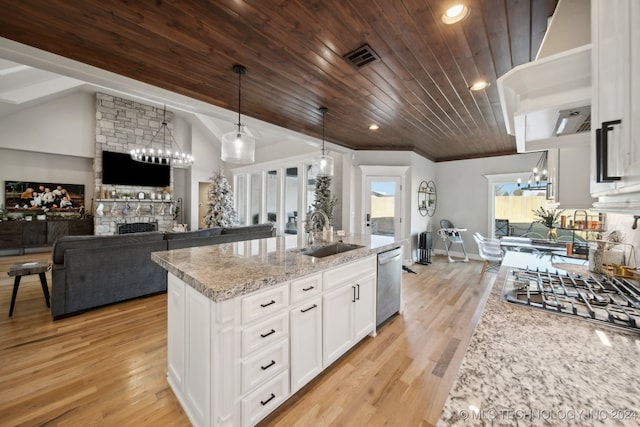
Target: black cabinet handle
{"points": [[264, 368], [267, 304], [272, 331], [358, 288], [307, 289], [602, 171], [264, 402], [598, 155], [307, 309], [354, 294]]}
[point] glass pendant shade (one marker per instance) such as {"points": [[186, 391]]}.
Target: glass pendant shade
{"points": [[323, 163], [238, 147]]}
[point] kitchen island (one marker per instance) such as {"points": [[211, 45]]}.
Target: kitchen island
{"points": [[252, 322], [526, 366]]}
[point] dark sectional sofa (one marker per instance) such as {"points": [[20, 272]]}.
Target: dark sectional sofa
{"points": [[92, 271]]}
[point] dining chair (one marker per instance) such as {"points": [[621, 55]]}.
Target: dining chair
{"points": [[490, 251]]}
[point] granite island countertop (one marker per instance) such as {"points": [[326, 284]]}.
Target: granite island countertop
{"points": [[224, 271], [531, 367]]}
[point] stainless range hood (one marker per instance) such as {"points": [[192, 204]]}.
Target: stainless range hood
{"points": [[554, 91]]}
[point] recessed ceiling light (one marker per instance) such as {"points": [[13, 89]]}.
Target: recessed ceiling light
{"points": [[455, 14], [374, 127], [479, 85]]}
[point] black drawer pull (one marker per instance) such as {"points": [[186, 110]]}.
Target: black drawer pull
{"points": [[270, 364], [354, 293], [272, 331], [267, 304], [273, 396], [307, 309], [307, 289]]}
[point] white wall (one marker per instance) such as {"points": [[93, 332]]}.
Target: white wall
{"points": [[63, 125], [50, 142], [463, 192], [40, 167], [419, 168], [207, 161]]}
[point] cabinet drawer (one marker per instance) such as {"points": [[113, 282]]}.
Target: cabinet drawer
{"points": [[265, 399], [264, 334], [349, 272], [265, 365], [306, 287], [257, 306]]}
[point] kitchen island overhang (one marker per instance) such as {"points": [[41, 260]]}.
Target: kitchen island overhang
{"points": [[228, 270]]}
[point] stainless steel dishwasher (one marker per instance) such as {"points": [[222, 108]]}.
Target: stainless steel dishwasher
{"points": [[389, 284]]}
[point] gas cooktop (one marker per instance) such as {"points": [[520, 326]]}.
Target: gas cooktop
{"points": [[594, 297]]}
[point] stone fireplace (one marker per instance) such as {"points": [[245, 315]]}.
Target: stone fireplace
{"points": [[122, 125]]}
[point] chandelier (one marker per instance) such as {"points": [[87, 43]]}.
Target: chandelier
{"points": [[323, 163], [538, 178], [238, 146], [169, 154]]}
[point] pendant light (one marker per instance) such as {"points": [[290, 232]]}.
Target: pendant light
{"points": [[238, 146], [169, 154], [323, 163]]}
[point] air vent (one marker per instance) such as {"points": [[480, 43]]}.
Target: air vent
{"points": [[573, 120], [362, 56]]}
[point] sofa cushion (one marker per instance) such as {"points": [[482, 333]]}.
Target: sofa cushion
{"points": [[263, 229], [205, 232], [96, 242]]}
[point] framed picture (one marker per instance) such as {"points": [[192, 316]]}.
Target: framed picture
{"points": [[28, 196]]}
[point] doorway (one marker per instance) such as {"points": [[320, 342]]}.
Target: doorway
{"points": [[382, 205]]}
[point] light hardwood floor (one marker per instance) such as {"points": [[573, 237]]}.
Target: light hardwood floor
{"points": [[108, 366]]}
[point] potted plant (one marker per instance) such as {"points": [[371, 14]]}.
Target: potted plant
{"points": [[548, 217]]}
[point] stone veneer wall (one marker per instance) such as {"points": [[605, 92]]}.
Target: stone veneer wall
{"points": [[122, 125]]}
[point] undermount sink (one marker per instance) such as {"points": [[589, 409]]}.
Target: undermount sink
{"points": [[333, 249]]}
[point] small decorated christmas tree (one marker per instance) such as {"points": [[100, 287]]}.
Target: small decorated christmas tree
{"points": [[220, 212]]}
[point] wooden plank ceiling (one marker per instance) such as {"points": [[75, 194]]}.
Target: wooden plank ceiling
{"points": [[293, 49]]}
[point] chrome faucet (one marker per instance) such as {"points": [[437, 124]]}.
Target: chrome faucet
{"points": [[325, 225]]}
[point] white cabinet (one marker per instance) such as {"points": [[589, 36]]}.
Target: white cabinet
{"points": [[337, 329], [175, 333], [364, 315], [615, 168], [306, 342], [264, 366], [348, 308], [189, 348], [235, 361]]}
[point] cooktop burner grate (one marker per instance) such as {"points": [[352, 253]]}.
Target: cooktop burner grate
{"points": [[599, 298]]}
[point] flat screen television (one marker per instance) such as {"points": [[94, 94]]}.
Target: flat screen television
{"points": [[121, 169]]}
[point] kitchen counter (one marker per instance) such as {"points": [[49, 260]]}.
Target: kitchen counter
{"points": [[531, 367], [224, 271]]}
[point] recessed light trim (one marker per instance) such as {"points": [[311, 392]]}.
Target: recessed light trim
{"points": [[374, 127], [479, 85], [455, 14]]}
